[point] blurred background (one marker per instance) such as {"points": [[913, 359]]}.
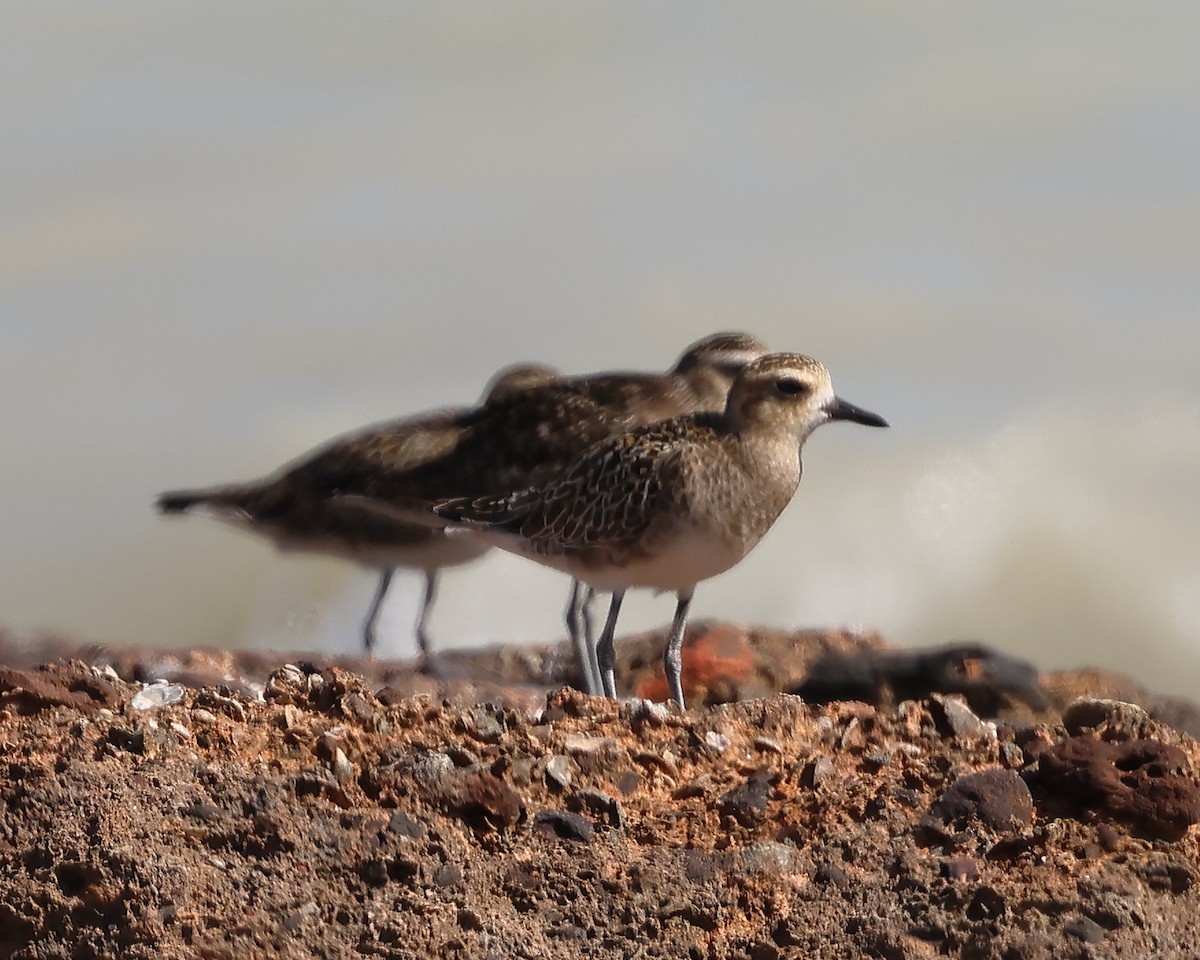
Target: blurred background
{"points": [[229, 231]]}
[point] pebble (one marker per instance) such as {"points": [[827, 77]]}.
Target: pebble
{"points": [[818, 771], [1089, 713], [558, 771], [1085, 929], [717, 742], [486, 723], [998, 798], [434, 771], [342, 767], [563, 825], [155, 695], [961, 720], [747, 803], [581, 744]]}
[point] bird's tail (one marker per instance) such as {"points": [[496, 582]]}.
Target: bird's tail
{"points": [[181, 501]]}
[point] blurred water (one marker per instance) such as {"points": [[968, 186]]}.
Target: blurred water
{"points": [[228, 231]]}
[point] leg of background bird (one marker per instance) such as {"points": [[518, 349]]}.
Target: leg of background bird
{"points": [[589, 632], [426, 606], [385, 580], [604, 649], [580, 641], [673, 655]]}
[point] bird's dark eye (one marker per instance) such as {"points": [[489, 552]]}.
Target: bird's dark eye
{"points": [[790, 386]]}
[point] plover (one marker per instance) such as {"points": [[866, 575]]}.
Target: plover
{"points": [[669, 505], [299, 507]]}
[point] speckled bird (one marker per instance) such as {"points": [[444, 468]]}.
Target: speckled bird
{"points": [[300, 510], [672, 504]]}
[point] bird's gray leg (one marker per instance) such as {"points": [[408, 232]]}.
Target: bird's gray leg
{"points": [[426, 607], [589, 631], [580, 639], [605, 654], [385, 580], [673, 654]]}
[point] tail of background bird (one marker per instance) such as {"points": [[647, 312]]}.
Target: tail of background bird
{"points": [[218, 498]]}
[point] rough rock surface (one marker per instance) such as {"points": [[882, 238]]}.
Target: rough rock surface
{"points": [[246, 808]]}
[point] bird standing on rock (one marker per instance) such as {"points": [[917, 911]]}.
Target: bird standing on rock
{"points": [[671, 504]]}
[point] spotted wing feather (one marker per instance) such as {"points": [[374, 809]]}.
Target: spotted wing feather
{"points": [[609, 500]]}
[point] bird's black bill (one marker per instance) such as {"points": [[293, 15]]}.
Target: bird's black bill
{"points": [[839, 409]]}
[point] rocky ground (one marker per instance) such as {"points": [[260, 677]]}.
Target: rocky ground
{"points": [[825, 796]]}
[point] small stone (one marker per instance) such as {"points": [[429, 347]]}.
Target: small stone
{"points": [[490, 800], [156, 695], [960, 719], [448, 875], [286, 685], [1012, 755], [830, 873], [563, 825], [343, 769], [486, 723], [717, 742], [767, 745], [817, 772], [998, 798], [747, 804], [1109, 839], [645, 713], [558, 771], [1088, 713], [200, 715], [581, 744], [1085, 929], [434, 771], [180, 730]]}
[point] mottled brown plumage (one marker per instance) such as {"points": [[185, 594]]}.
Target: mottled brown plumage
{"points": [[674, 503]]}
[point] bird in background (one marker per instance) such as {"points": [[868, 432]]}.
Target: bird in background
{"points": [[297, 507], [671, 504]]}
